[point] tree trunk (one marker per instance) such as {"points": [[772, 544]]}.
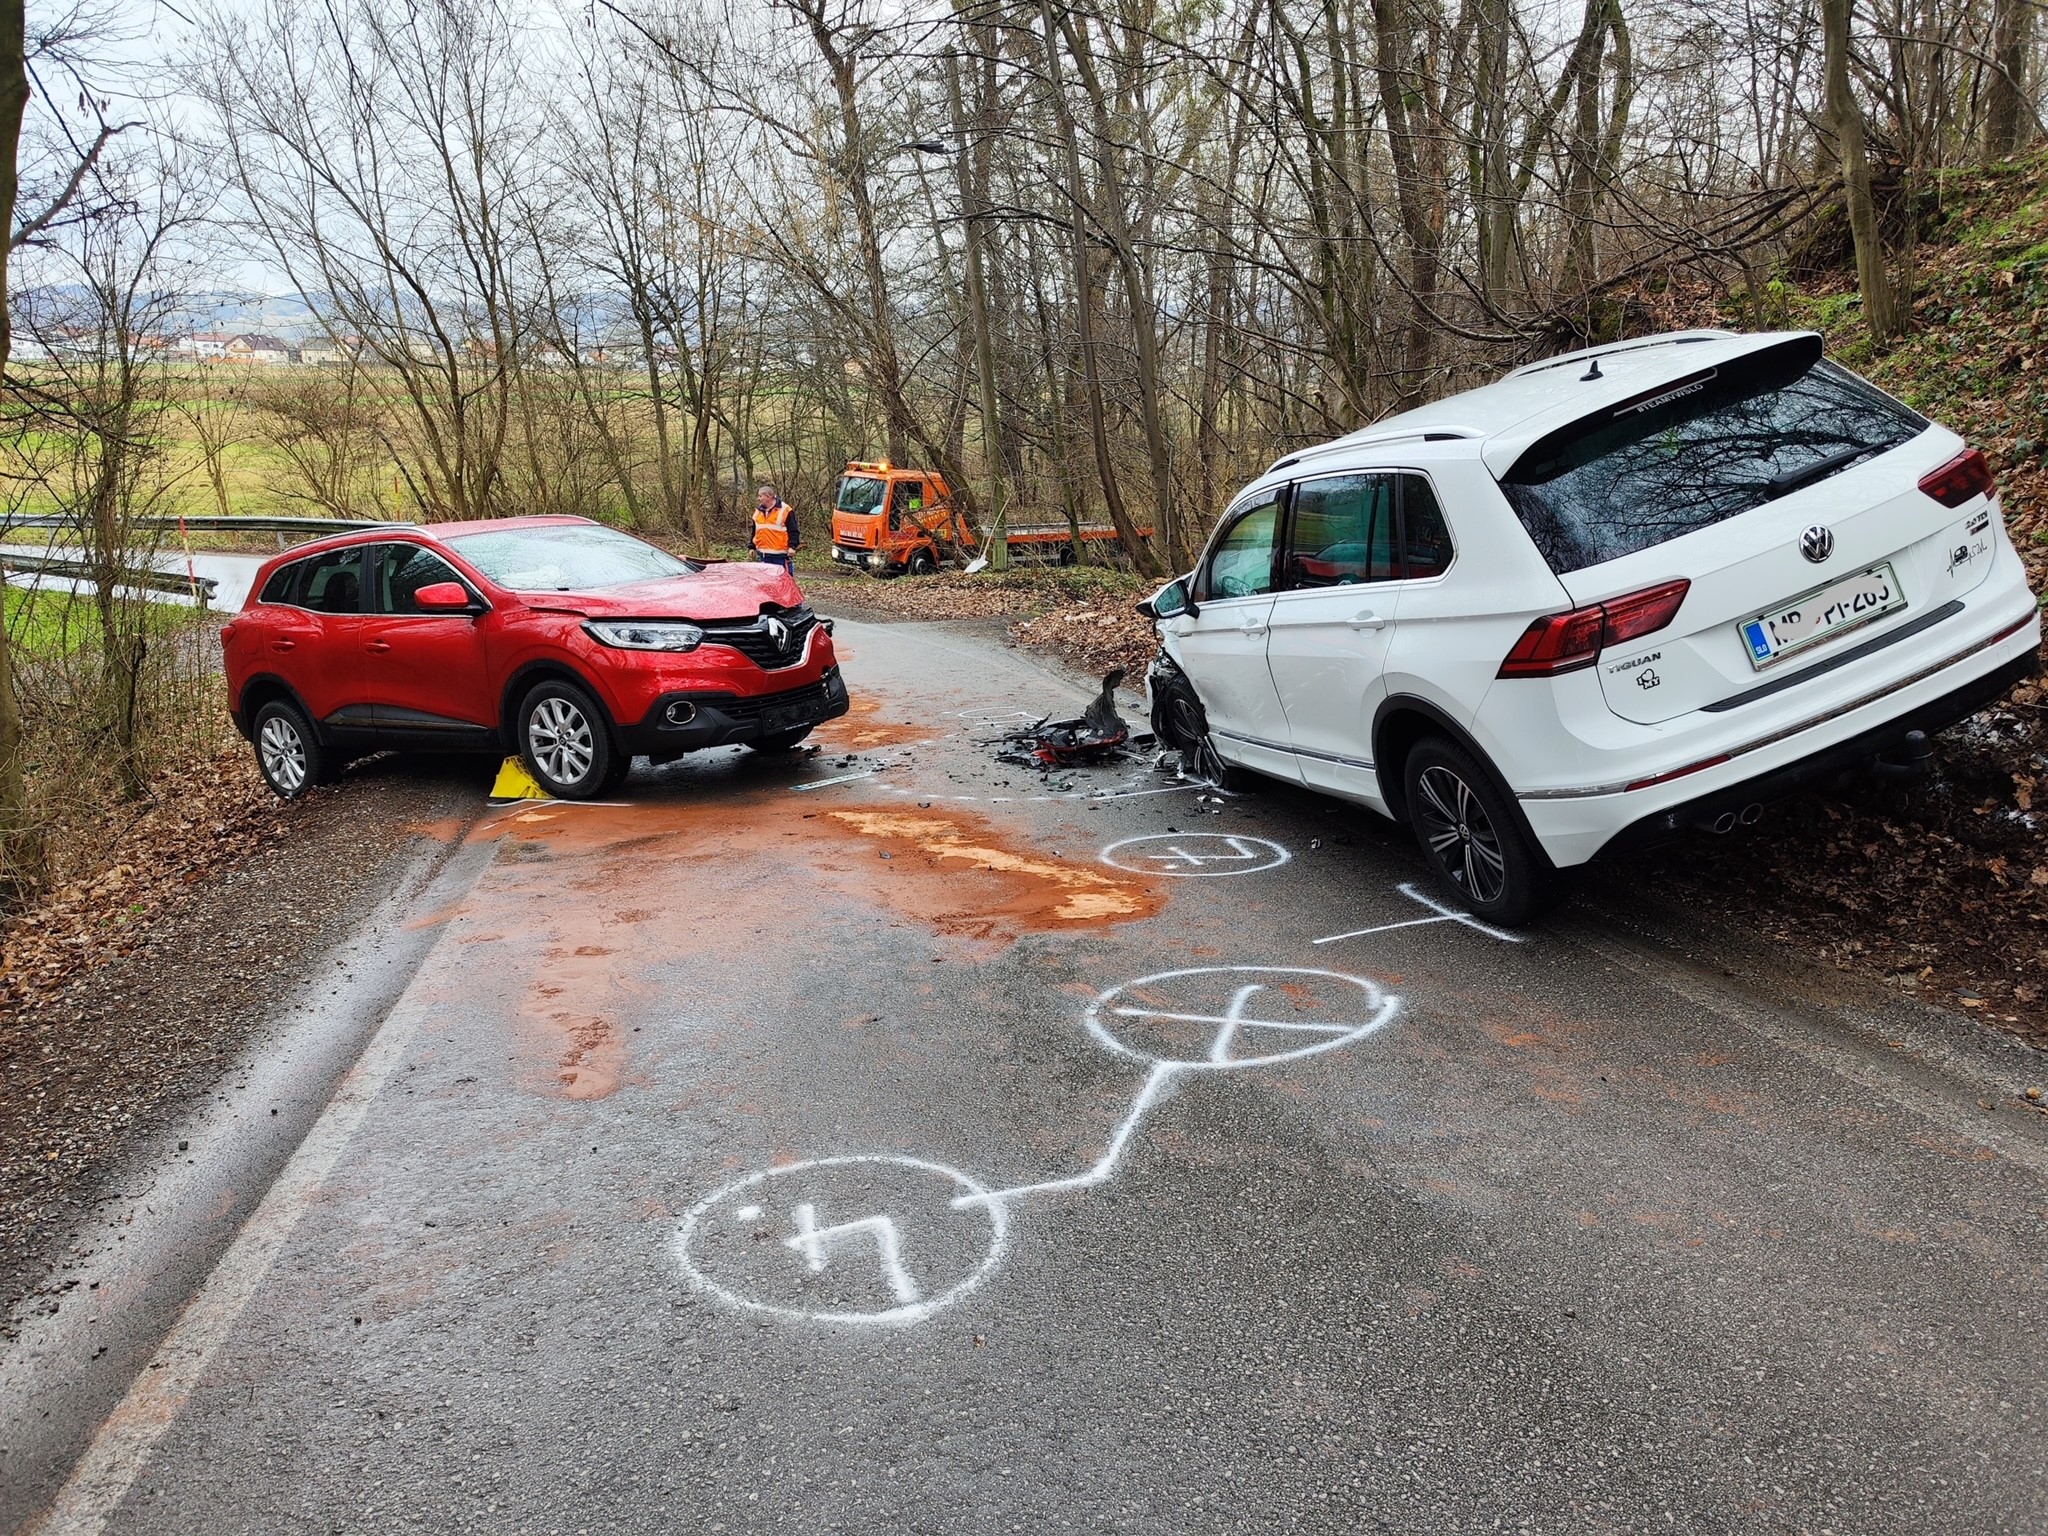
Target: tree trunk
{"points": [[2006, 117], [21, 851], [1881, 307], [1084, 305]]}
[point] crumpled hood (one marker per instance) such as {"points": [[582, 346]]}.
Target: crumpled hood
{"points": [[733, 590]]}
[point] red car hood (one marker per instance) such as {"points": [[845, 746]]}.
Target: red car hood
{"points": [[725, 591]]}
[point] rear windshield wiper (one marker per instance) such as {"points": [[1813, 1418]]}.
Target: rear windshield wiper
{"points": [[1792, 479]]}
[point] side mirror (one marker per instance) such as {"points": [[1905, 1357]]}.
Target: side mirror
{"points": [[442, 597], [1170, 601]]}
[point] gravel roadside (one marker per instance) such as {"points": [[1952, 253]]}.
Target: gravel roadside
{"points": [[131, 995]]}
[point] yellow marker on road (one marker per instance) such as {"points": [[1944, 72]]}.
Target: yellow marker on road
{"points": [[515, 783]]}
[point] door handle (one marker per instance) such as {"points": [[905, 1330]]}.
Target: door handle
{"points": [[284, 645], [377, 647], [1366, 621], [1251, 628]]}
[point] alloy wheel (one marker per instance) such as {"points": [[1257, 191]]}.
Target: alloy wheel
{"points": [[561, 739], [284, 755], [1461, 835]]}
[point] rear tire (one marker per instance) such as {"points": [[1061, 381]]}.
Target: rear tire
{"points": [[782, 741], [565, 743], [1470, 836], [288, 753]]}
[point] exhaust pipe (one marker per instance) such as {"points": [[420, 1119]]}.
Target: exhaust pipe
{"points": [[1724, 823], [1750, 814]]}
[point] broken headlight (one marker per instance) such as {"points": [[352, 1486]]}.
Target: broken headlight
{"points": [[645, 634]]}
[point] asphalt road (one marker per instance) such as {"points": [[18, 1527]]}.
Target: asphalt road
{"points": [[890, 1139]]}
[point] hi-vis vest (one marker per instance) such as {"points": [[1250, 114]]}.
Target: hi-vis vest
{"points": [[771, 529]]}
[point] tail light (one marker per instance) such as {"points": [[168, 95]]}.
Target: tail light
{"points": [[227, 633], [1565, 642], [1963, 478]]}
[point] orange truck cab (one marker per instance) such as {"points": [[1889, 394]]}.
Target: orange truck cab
{"points": [[887, 520]]}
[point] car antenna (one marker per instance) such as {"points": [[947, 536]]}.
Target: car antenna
{"points": [[1592, 372]]}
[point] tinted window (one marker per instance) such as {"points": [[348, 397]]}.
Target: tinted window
{"points": [[1701, 450], [1242, 565], [566, 558], [333, 582], [404, 569], [1425, 537], [279, 588], [1343, 532]]}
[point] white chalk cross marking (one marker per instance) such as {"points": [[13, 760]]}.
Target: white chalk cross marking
{"points": [[1443, 913], [815, 1244]]}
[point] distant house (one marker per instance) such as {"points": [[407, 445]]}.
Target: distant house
{"points": [[328, 351], [209, 346], [254, 347]]}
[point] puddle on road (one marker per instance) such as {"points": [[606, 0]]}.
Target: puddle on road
{"points": [[585, 903]]}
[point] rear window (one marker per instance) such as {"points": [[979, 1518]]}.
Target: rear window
{"points": [[1698, 451]]}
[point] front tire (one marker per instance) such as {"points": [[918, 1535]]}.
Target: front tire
{"points": [[922, 563], [288, 753], [1470, 836], [565, 744]]}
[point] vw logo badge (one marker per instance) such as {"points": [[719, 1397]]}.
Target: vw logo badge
{"points": [[778, 632], [1817, 543]]}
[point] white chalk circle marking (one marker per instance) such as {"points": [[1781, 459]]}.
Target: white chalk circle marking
{"points": [[823, 1237], [1194, 855], [1227, 1016]]}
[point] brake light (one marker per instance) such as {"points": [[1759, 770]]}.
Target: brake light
{"points": [[1565, 642], [1963, 478]]}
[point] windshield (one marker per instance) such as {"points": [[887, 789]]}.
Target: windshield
{"points": [[566, 558], [1698, 452], [860, 493]]}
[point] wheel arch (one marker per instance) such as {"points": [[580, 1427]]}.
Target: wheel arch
{"points": [[527, 676], [258, 691], [1402, 721]]}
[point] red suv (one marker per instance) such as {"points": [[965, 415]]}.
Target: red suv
{"points": [[575, 645]]}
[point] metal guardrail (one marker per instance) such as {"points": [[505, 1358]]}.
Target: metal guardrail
{"points": [[79, 570], [283, 527]]}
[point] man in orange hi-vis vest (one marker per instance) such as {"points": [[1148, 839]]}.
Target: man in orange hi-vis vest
{"points": [[771, 527]]}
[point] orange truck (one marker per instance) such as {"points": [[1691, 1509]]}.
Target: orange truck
{"points": [[886, 520]]}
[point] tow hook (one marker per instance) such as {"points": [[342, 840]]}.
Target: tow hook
{"points": [[1910, 759]]}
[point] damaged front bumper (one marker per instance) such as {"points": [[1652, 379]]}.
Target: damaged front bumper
{"points": [[690, 722]]}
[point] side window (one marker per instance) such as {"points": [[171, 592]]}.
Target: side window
{"points": [[282, 580], [1425, 536], [1343, 532], [907, 499], [402, 569], [333, 582], [1242, 565]]}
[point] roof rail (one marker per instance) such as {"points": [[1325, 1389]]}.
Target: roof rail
{"points": [[1366, 437]]}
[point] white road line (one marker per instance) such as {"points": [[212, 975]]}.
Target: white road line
{"points": [[123, 1446], [844, 778], [1359, 933]]}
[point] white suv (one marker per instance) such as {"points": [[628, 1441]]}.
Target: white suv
{"points": [[1617, 594]]}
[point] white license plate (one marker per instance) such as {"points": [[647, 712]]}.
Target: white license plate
{"points": [[1842, 605]]}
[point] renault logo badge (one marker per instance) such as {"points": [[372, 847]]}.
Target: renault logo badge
{"points": [[1817, 543], [778, 632]]}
